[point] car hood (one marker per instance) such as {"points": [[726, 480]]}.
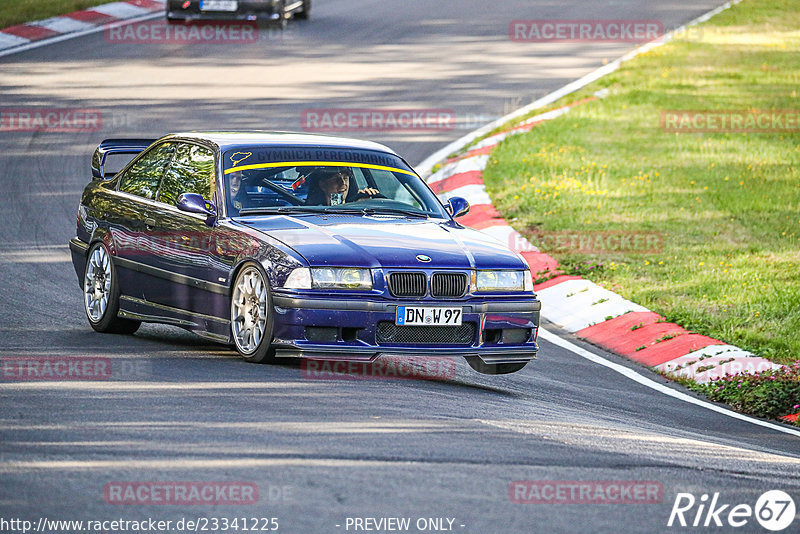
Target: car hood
{"points": [[374, 242]]}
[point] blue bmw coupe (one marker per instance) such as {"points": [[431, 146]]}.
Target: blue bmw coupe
{"points": [[296, 245]]}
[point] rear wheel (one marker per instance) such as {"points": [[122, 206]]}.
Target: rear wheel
{"points": [[493, 368], [251, 315], [101, 294]]}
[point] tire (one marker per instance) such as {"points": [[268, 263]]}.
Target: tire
{"points": [[306, 12], [283, 22], [493, 368], [101, 294], [252, 316]]}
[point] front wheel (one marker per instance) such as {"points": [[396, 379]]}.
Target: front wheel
{"points": [[493, 368], [101, 294], [251, 315]]}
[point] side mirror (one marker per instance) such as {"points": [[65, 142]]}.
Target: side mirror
{"points": [[457, 206], [194, 203]]}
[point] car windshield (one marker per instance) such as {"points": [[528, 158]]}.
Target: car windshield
{"points": [[328, 187]]}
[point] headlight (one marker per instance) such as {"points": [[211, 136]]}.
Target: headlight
{"points": [[501, 281], [341, 278], [300, 278], [528, 281]]}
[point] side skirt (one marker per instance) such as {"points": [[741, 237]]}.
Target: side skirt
{"points": [[207, 326]]}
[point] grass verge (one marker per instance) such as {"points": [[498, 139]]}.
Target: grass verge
{"points": [[771, 394], [19, 11], [724, 208]]}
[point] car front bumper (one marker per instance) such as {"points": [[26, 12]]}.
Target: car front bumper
{"points": [[247, 10], [502, 330]]}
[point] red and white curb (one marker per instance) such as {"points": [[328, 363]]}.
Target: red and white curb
{"points": [[580, 306], [24, 36]]}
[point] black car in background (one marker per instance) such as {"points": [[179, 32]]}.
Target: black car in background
{"points": [[278, 11]]}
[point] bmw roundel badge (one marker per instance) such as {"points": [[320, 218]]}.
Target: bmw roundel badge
{"points": [[423, 258]]}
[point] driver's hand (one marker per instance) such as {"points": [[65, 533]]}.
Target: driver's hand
{"points": [[369, 191]]}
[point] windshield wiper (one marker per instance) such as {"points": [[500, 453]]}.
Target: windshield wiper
{"points": [[398, 211], [279, 209], [376, 211]]}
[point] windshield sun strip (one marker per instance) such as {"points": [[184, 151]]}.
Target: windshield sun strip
{"points": [[317, 164]]}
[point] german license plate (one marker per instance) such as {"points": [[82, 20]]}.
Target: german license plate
{"points": [[414, 315], [219, 5]]}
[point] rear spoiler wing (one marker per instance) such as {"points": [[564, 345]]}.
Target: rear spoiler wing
{"points": [[115, 146]]}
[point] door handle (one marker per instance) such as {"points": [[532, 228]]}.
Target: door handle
{"points": [[150, 223]]}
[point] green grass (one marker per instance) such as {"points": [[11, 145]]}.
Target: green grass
{"points": [[18, 11], [726, 204]]}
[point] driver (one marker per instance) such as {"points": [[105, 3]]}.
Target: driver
{"points": [[236, 192], [337, 186]]}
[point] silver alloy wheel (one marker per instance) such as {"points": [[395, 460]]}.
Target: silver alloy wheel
{"points": [[249, 310], [97, 284]]}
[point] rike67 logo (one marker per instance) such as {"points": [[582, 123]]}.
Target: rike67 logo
{"points": [[774, 510]]}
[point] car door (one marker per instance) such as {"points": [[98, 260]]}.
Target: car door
{"points": [[188, 250], [129, 221]]}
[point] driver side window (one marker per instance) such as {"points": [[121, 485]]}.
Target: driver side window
{"points": [[143, 177], [192, 171]]}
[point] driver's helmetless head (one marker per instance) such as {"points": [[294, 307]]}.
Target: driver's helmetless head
{"points": [[235, 181], [338, 182]]}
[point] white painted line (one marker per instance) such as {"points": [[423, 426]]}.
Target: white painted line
{"points": [[636, 377], [552, 114], [63, 25], [546, 116], [8, 40], [67, 36], [425, 166], [491, 141], [121, 10]]}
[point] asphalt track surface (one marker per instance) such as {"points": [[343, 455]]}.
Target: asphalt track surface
{"points": [[182, 409]]}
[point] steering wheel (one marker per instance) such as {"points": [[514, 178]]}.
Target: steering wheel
{"points": [[364, 196]]}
